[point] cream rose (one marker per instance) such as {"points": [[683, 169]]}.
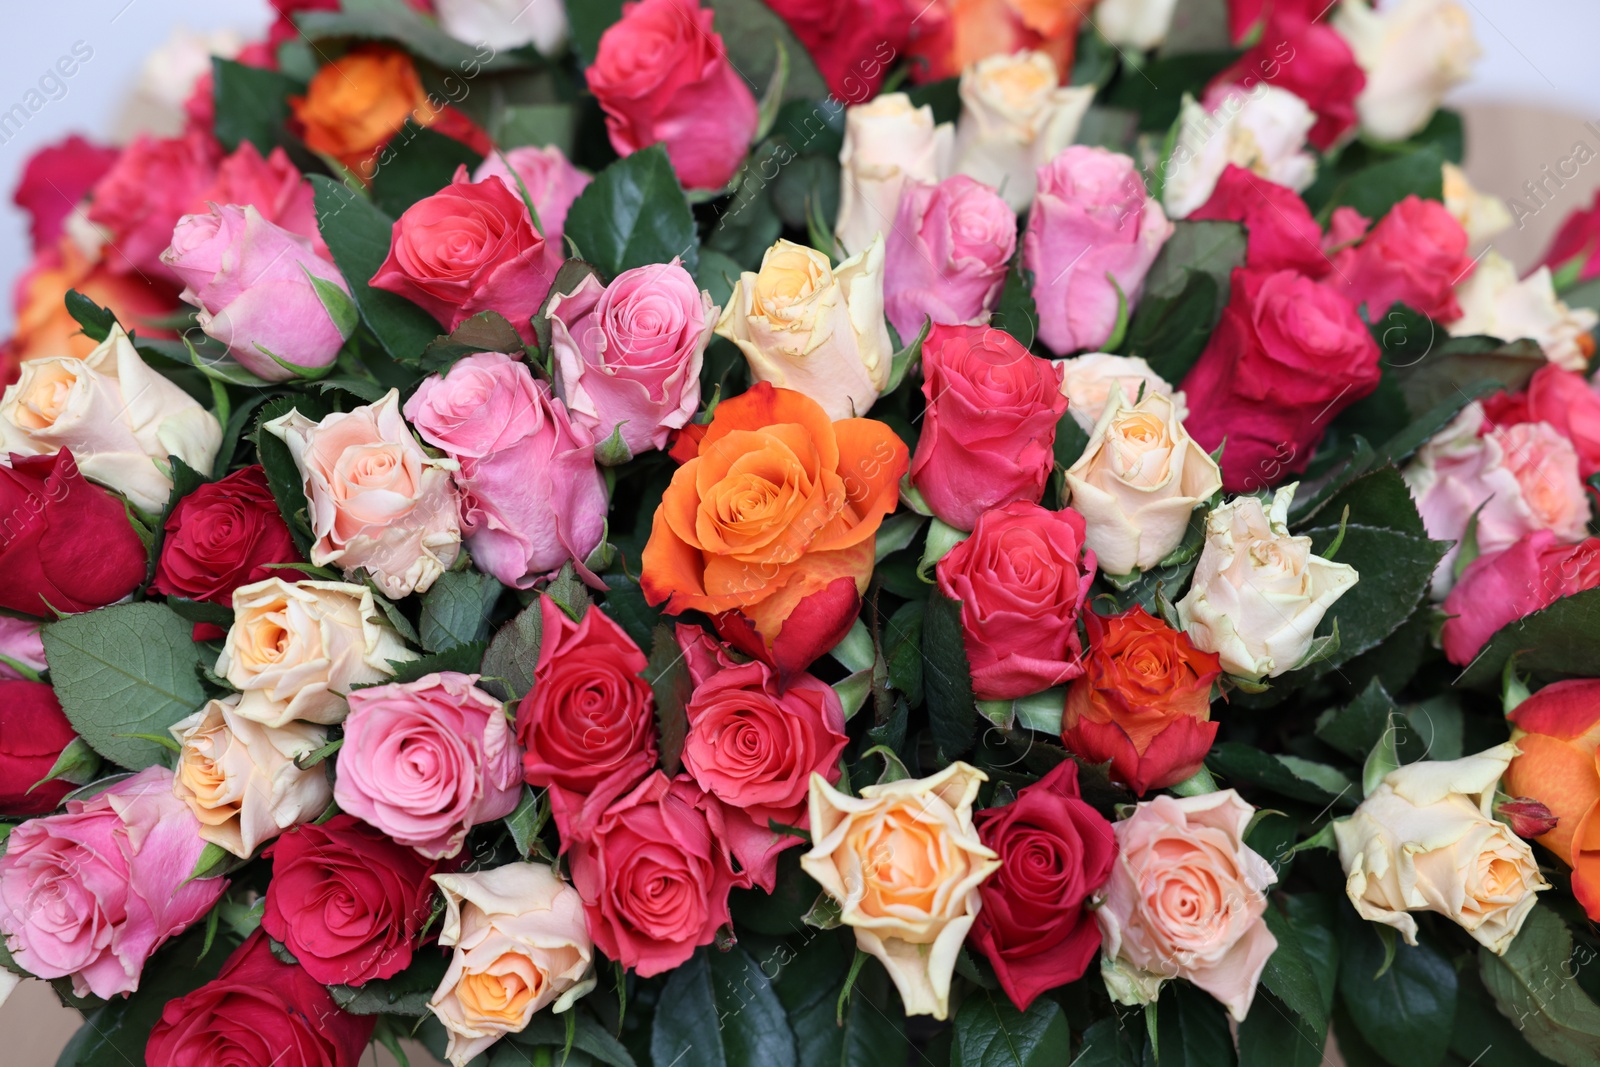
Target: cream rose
{"points": [[378, 503], [1413, 53], [1423, 840], [816, 329], [1087, 381], [506, 23], [1483, 216], [1141, 24], [1258, 593], [239, 777], [520, 945], [1138, 481], [887, 143], [120, 419], [1262, 130], [303, 645], [904, 863], [1495, 303], [1015, 116]]}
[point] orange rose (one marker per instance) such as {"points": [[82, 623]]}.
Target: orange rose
{"points": [[970, 30], [770, 525], [1558, 734]]}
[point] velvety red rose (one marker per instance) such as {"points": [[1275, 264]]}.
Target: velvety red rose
{"points": [[154, 183], [1415, 255], [1565, 400], [1021, 579], [1055, 854], [661, 75], [347, 900], [33, 731], [989, 433], [852, 42], [1577, 243], [67, 544], [55, 179], [1143, 703], [221, 536], [1311, 60], [1499, 588], [1288, 356], [1282, 234], [258, 1010], [469, 248]]}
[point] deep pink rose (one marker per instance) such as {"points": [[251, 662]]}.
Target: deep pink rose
{"points": [[428, 760], [946, 254], [1499, 588], [1310, 59], [55, 179], [273, 187], [20, 643], [552, 183], [1416, 255], [155, 182], [33, 733], [662, 75], [531, 495], [854, 43], [94, 891], [1282, 234], [1577, 242]]}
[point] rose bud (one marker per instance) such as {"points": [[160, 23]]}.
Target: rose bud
{"points": [[946, 255], [1016, 116], [224, 535], [1556, 732], [1527, 818], [888, 145]]}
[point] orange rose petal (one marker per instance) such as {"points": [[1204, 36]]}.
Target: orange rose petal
{"points": [[1559, 774], [673, 570], [680, 504], [872, 462], [762, 406], [1586, 865]]}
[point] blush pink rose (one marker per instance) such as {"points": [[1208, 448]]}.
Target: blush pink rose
{"points": [[552, 183], [628, 354], [1092, 224], [946, 254], [1546, 467], [1416, 255], [531, 495], [155, 182], [92, 892], [1498, 588], [273, 187], [428, 760]]}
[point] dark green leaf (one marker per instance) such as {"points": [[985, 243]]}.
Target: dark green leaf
{"points": [[1017, 314], [549, 1030], [1379, 498], [1191, 1030], [513, 653], [809, 984], [588, 20], [95, 320], [1485, 1038], [1378, 188], [1533, 986], [946, 678], [1170, 332], [1289, 974], [1455, 365], [407, 993], [1247, 764], [463, 659], [1357, 727], [719, 1010], [626, 605], [455, 611], [1212, 247], [1395, 572], [416, 163], [252, 104], [667, 674], [902, 651], [1153, 90], [1406, 1014], [752, 33], [1111, 1043], [1274, 1036], [634, 213], [527, 819], [990, 1032], [487, 331], [398, 21], [536, 124]]}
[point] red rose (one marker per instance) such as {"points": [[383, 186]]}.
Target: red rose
{"points": [[1564, 399], [1021, 579], [468, 248], [1288, 356], [155, 182], [852, 42], [258, 1010], [989, 433], [1312, 61], [55, 179], [1415, 255], [1578, 241], [1055, 853], [1499, 588], [33, 731], [346, 900], [221, 536], [1281, 231], [661, 74], [64, 543], [1244, 16], [1143, 703]]}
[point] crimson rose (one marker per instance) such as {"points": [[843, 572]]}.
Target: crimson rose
{"points": [[33, 731], [221, 536]]}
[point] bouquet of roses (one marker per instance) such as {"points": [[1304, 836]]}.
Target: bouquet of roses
{"points": [[705, 532]]}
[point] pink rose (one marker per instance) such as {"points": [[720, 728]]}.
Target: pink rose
{"points": [[55, 179], [854, 43], [1415, 255], [628, 354], [1561, 398], [273, 187], [251, 281], [1092, 222], [552, 184], [428, 760], [20, 645], [1498, 588], [1546, 467], [947, 254], [155, 182], [94, 891], [1282, 234], [531, 495]]}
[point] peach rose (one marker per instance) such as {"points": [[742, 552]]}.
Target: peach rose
{"points": [[1086, 381], [1545, 465], [1186, 899], [904, 862], [887, 143], [44, 325], [1557, 734], [1015, 117], [378, 502]]}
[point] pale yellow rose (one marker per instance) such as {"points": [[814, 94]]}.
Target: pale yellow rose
{"points": [[904, 863], [1015, 117], [1087, 381], [813, 328], [1413, 53], [302, 645], [120, 419], [1482, 215], [1138, 481], [521, 944], [1262, 129], [1424, 840], [1141, 24], [887, 143], [1495, 303], [239, 777]]}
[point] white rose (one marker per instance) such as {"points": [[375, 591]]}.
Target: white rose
{"points": [[1424, 840], [506, 23], [1015, 117], [886, 143], [168, 79], [1141, 24], [1495, 303], [120, 419], [1258, 593], [1413, 53], [1481, 215], [1262, 130], [1087, 381]]}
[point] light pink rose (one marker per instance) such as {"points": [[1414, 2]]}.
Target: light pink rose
{"points": [[531, 495], [1092, 219], [92, 892], [251, 280], [946, 254], [552, 183], [1546, 467], [629, 353], [428, 760], [20, 643]]}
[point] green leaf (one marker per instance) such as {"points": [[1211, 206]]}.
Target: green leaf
{"points": [[407, 993], [95, 320], [455, 611], [1191, 1028], [1395, 571], [1017, 314], [667, 674], [1170, 332], [536, 124], [946, 678], [77, 764], [1454, 365], [1376, 189], [587, 1035], [902, 650], [487, 331], [1273, 1036], [625, 604], [464, 658], [252, 104], [1485, 1038], [126, 669], [1407, 1012], [1378, 498], [1533, 986], [513, 653], [415, 164], [1355, 728], [752, 34], [1561, 640], [1110, 1043], [527, 819], [399, 22], [1213, 247], [634, 213], [588, 20], [990, 1032], [1241, 762], [1153, 90], [569, 592], [1289, 974], [808, 984], [719, 1010]]}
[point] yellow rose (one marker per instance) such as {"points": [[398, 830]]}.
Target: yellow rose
{"points": [[1015, 117], [1413, 53], [886, 144]]}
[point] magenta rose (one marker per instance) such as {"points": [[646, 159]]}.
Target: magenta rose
{"points": [[273, 187], [1282, 234], [428, 760], [628, 354], [92, 892], [945, 256], [552, 184], [1498, 588], [155, 182], [1416, 255], [54, 179], [1093, 229], [854, 43]]}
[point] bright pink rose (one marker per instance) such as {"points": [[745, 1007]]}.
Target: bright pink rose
{"points": [[154, 183], [1093, 229], [854, 43], [531, 495], [947, 253], [1281, 231], [1415, 255], [1312, 61], [55, 179], [1578, 241], [552, 184], [428, 760], [469, 248], [755, 745], [1498, 588], [989, 434], [251, 280], [662, 75], [628, 354], [20, 644], [1244, 16], [273, 187], [93, 892], [1561, 398], [1546, 467]]}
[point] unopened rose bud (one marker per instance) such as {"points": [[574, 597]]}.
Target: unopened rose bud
{"points": [[1527, 818]]}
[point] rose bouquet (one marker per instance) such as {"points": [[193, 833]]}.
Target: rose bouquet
{"points": [[845, 532]]}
